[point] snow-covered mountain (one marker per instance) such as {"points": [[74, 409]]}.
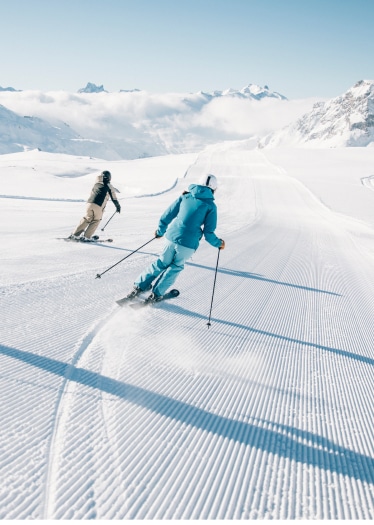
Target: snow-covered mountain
{"points": [[92, 88], [23, 133], [347, 120], [27, 132], [251, 91], [8, 89], [134, 123]]}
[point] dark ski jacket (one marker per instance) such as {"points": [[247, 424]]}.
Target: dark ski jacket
{"points": [[190, 217], [101, 192]]}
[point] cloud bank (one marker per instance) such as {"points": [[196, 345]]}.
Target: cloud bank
{"points": [[158, 123]]}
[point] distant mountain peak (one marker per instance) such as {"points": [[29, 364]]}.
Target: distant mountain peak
{"points": [[259, 92], [8, 89], [347, 120], [366, 85], [251, 91], [92, 88]]}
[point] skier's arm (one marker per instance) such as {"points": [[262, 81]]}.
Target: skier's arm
{"points": [[210, 224], [117, 205], [166, 218], [113, 196]]}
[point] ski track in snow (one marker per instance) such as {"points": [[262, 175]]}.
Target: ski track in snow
{"points": [[265, 415]]}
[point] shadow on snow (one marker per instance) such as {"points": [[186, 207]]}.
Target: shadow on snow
{"points": [[258, 277], [288, 442], [351, 355]]}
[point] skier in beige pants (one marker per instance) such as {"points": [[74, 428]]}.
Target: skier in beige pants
{"points": [[97, 201]]}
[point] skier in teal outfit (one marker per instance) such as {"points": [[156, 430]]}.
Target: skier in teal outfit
{"points": [[184, 223]]}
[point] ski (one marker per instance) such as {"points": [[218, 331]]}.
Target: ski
{"points": [[126, 300], [95, 241], [141, 304], [136, 304]]}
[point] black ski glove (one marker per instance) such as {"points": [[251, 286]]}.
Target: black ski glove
{"points": [[117, 205]]}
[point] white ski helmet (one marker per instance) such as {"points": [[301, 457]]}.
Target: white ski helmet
{"points": [[209, 180]]}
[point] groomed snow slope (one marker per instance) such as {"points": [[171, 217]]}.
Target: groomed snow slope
{"points": [[112, 413]]}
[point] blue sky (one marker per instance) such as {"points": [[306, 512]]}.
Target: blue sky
{"points": [[300, 48]]}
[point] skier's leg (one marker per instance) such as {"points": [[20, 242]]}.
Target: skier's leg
{"points": [[95, 214], [146, 278], [81, 226], [182, 254]]}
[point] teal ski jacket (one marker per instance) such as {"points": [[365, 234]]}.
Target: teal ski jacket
{"points": [[190, 217]]}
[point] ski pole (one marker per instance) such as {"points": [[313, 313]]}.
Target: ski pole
{"points": [[102, 229], [214, 285], [98, 276]]}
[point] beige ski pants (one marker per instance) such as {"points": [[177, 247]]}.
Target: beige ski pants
{"points": [[90, 221]]}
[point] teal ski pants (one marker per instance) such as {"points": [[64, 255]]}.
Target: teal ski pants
{"points": [[165, 269]]}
